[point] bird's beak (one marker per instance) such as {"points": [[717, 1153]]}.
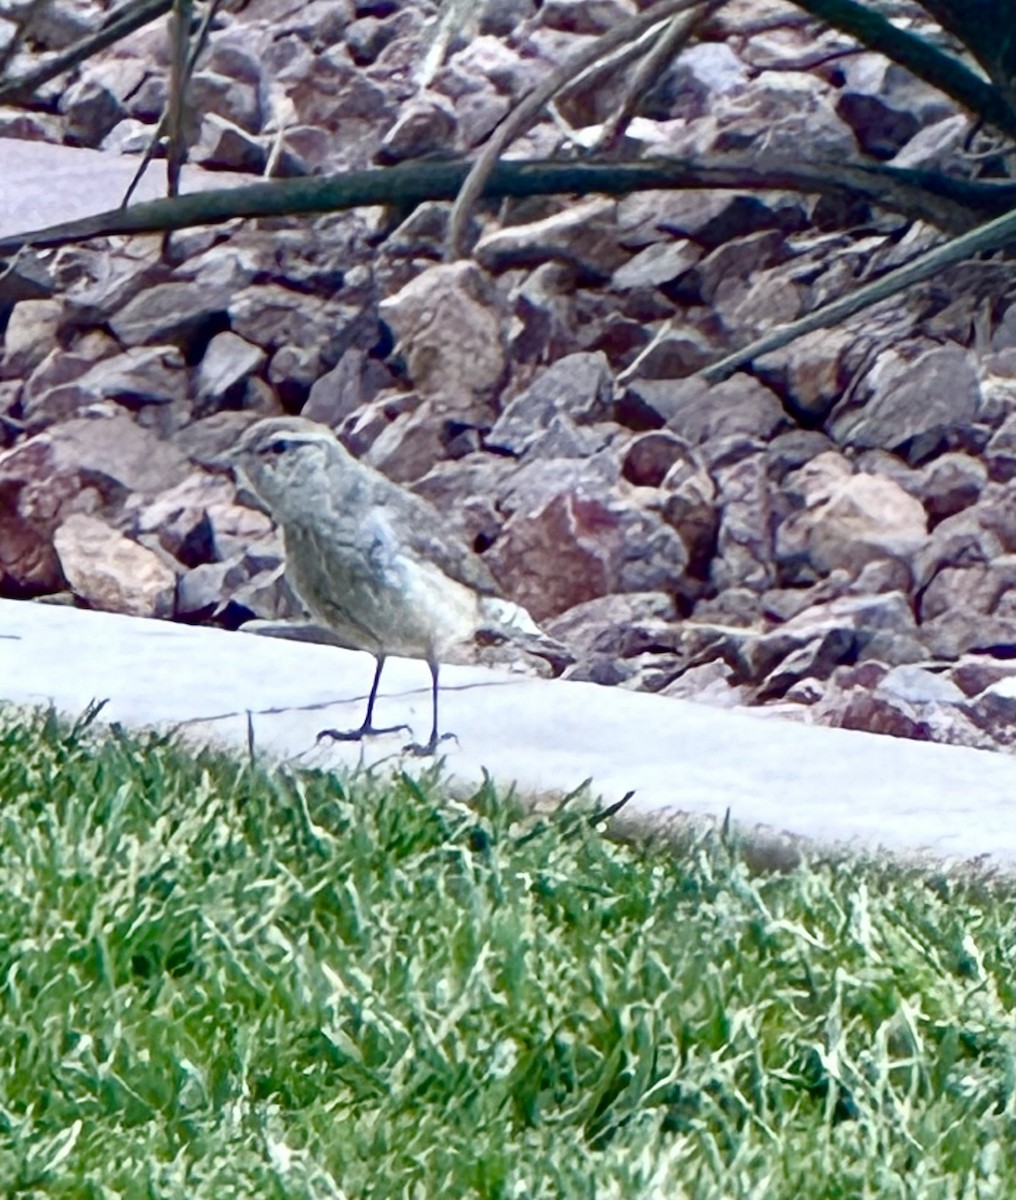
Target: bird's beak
{"points": [[223, 461]]}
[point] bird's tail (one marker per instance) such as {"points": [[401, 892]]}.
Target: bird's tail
{"points": [[506, 622]]}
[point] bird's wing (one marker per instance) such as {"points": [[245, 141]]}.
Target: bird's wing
{"points": [[422, 533], [320, 578]]}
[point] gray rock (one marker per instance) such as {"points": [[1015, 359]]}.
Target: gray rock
{"points": [[915, 408], [176, 311], [575, 390], [228, 361]]}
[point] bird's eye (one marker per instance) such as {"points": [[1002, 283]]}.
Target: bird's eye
{"points": [[279, 446]]}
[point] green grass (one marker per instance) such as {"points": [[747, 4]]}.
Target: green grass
{"points": [[223, 980]]}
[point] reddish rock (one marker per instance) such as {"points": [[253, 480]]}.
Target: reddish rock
{"points": [[743, 555], [972, 675], [560, 555], [648, 458]]}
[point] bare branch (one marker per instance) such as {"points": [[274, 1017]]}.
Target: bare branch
{"points": [[953, 204]]}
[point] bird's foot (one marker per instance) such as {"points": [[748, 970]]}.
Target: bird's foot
{"points": [[357, 735], [426, 749]]}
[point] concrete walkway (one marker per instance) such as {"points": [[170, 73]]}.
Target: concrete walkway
{"points": [[829, 785], [833, 786]]}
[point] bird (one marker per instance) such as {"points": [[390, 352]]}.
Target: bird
{"points": [[374, 562]]}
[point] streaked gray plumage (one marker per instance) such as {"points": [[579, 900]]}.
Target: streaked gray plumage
{"points": [[371, 560]]}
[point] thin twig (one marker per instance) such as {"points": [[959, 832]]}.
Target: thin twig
{"points": [[524, 113], [134, 18], [665, 47], [160, 129]]}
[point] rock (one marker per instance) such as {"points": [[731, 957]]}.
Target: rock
{"points": [[974, 589], [649, 457], [179, 516], [586, 16], [654, 556], [581, 235], [880, 130], [617, 626], [714, 218], [973, 674], [91, 109], [708, 683], [968, 538], [882, 714], [698, 412], [228, 362], [935, 147], [565, 552], [407, 448], [953, 634], [816, 660], [28, 563], [237, 102], [689, 503], [428, 124], [811, 372], [660, 262], [576, 390], [460, 370], [139, 376], [918, 685], [788, 451], [847, 520], [87, 465], [543, 307], [354, 380], [176, 311], [29, 336], [225, 146], [676, 355], [111, 573], [822, 637], [743, 555], [736, 262], [207, 588], [994, 711], [917, 409], [28, 277], [1000, 454]]}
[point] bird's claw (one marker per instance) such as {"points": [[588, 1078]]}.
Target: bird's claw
{"points": [[425, 750], [357, 735]]}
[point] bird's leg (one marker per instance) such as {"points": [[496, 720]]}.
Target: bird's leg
{"points": [[434, 740], [367, 728]]}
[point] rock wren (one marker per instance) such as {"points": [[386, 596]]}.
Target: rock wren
{"points": [[374, 562]]}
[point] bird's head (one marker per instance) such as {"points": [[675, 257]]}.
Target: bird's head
{"points": [[284, 461]]}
